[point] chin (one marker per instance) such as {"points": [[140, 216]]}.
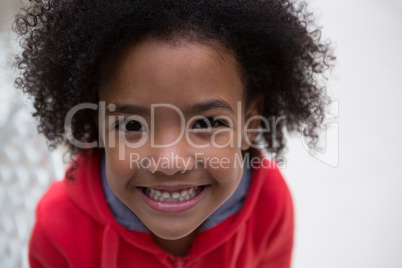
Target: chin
{"points": [[173, 233]]}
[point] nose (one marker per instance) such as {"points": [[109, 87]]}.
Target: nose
{"points": [[171, 159]]}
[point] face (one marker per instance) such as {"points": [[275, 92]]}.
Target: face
{"points": [[174, 133]]}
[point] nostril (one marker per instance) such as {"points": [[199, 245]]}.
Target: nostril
{"points": [[170, 164]]}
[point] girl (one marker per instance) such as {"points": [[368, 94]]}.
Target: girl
{"points": [[160, 102]]}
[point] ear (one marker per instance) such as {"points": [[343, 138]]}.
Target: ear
{"points": [[252, 122]]}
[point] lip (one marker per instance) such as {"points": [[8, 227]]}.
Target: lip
{"points": [[173, 207], [172, 188]]}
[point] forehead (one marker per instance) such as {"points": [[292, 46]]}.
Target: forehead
{"points": [[178, 73]]}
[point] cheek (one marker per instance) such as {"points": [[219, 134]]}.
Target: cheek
{"points": [[228, 169], [119, 169], [229, 181]]}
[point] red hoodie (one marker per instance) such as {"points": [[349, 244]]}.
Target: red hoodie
{"points": [[75, 228]]}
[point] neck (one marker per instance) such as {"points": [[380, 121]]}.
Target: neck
{"points": [[176, 247]]}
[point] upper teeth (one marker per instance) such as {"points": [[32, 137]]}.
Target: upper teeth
{"points": [[170, 197]]}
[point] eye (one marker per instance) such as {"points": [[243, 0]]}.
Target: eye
{"points": [[208, 122], [131, 126]]}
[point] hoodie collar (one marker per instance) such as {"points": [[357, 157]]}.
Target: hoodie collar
{"points": [[130, 221]]}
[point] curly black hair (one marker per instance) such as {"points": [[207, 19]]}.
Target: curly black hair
{"points": [[69, 46]]}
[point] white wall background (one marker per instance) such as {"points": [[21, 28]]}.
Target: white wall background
{"points": [[349, 215]]}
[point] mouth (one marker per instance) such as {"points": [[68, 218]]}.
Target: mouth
{"points": [[176, 200], [173, 196]]}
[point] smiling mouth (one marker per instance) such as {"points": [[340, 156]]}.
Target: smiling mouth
{"points": [[172, 196]]}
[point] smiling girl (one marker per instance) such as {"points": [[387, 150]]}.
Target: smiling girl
{"points": [[186, 87]]}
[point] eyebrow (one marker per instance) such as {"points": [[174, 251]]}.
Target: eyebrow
{"points": [[208, 105], [194, 109], [126, 109]]}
